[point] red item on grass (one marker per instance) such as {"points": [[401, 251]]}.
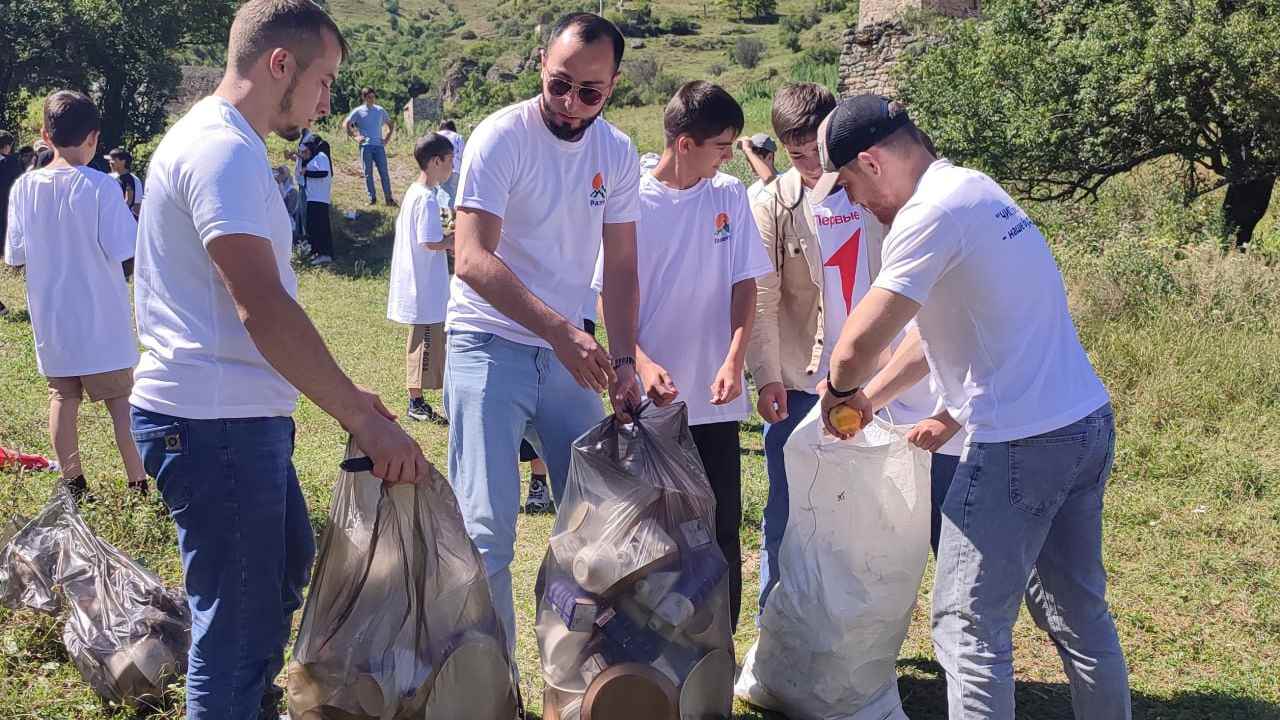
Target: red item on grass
{"points": [[12, 459]]}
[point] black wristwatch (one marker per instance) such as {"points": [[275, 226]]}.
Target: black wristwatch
{"points": [[842, 394], [625, 360]]}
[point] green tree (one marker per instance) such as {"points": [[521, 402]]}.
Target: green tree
{"points": [[1058, 96]]}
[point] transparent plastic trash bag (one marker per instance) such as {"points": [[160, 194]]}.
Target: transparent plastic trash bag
{"points": [[852, 560], [633, 598], [399, 623], [126, 633]]}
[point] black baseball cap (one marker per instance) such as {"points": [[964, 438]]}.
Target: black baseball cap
{"points": [[856, 124]]}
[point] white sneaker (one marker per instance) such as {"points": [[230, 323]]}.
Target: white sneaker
{"points": [[321, 260]]}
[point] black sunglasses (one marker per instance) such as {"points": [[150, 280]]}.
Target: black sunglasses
{"points": [[560, 88]]}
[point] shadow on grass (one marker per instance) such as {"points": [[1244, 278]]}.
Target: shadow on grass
{"points": [[16, 316], [924, 697]]}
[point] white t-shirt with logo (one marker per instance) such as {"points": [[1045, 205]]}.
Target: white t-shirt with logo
{"points": [[998, 335], [692, 246], [320, 189], [846, 274], [209, 177], [554, 198], [419, 276], [70, 228]]}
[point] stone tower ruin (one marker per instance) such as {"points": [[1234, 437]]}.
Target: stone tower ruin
{"points": [[872, 49]]}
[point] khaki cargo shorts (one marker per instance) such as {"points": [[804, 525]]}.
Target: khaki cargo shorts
{"points": [[99, 386]]}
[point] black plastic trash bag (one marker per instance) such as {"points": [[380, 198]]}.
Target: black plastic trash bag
{"points": [[633, 595], [126, 633], [399, 623]]}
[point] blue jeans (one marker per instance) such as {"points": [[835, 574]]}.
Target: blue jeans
{"points": [[497, 392], [1024, 519], [776, 508], [375, 154], [942, 468], [246, 544]]}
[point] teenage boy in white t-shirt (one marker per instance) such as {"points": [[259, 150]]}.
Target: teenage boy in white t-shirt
{"points": [[70, 228], [227, 351], [1023, 516], [698, 255], [419, 291], [546, 187], [318, 174]]}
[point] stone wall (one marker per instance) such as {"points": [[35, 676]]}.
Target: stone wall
{"points": [[870, 56]]}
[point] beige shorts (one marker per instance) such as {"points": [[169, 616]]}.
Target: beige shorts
{"points": [[424, 365], [99, 386]]}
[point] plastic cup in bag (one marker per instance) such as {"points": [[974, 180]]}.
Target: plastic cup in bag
{"points": [[633, 600]]}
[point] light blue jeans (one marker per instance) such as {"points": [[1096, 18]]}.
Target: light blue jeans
{"points": [[450, 187], [497, 392], [376, 155], [1024, 519], [778, 505]]}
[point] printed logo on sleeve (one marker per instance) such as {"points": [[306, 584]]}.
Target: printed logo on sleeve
{"points": [[723, 231], [599, 193]]}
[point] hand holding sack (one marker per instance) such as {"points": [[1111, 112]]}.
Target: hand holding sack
{"points": [[399, 623], [852, 560], [633, 601]]}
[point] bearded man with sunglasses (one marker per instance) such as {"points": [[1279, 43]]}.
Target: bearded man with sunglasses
{"points": [[545, 187]]}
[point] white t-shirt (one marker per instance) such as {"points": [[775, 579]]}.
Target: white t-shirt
{"points": [[554, 198], [209, 177], [458, 146], [692, 246], [419, 277], [320, 189], [71, 229], [846, 274], [756, 190], [137, 186], [998, 336]]}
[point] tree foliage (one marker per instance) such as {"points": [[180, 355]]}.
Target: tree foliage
{"points": [[1058, 96], [122, 54]]}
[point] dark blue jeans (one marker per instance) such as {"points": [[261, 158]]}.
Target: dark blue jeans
{"points": [[246, 544], [941, 469], [778, 505]]}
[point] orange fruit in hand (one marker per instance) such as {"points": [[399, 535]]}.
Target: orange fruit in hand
{"points": [[845, 419]]}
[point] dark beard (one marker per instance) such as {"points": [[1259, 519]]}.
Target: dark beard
{"points": [[564, 132]]}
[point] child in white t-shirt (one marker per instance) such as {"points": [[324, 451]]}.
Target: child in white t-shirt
{"points": [[419, 291], [318, 172], [70, 229], [698, 255]]}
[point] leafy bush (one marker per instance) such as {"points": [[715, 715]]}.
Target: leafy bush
{"points": [[626, 94], [790, 40], [680, 25], [642, 70], [747, 52], [825, 54], [663, 87]]}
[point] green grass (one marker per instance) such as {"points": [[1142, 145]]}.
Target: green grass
{"points": [[1185, 339]]}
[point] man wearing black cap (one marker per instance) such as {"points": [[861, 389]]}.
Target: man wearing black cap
{"points": [[1023, 514]]}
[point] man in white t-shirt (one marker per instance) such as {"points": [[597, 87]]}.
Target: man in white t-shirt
{"points": [[69, 228], [121, 163], [419, 292], [227, 350], [698, 257], [546, 187], [1024, 511], [449, 129]]}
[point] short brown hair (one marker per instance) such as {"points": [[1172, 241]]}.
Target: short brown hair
{"points": [[261, 26], [701, 111], [798, 110], [429, 146], [69, 117]]}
